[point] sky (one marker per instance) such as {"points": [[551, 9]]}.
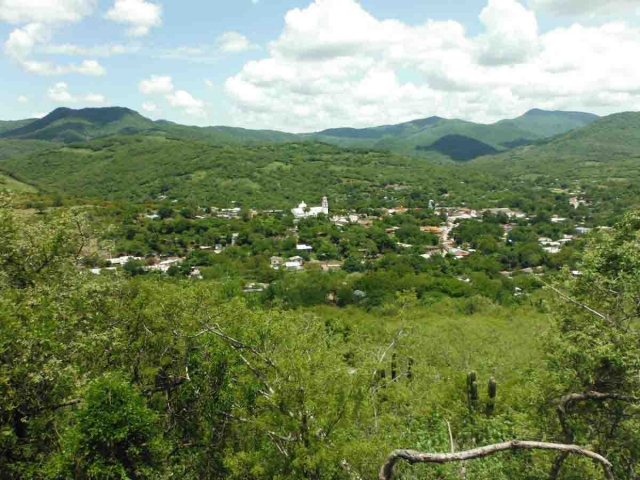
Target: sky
{"points": [[307, 65]]}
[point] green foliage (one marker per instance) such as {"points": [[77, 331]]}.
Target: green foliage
{"points": [[113, 435]]}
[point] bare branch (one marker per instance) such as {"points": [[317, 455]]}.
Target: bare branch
{"points": [[453, 446], [412, 456], [575, 302]]}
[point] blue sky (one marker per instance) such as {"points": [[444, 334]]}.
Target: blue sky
{"points": [[306, 65]]}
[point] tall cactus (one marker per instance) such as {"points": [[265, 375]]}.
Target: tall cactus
{"points": [[472, 391], [394, 366], [410, 369], [493, 391]]}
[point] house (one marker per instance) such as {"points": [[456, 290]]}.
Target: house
{"points": [[458, 253], [304, 211], [303, 247], [582, 230], [433, 230], [165, 265], [392, 230], [122, 261], [557, 219], [276, 262], [153, 216], [196, 273], [293, 266]]}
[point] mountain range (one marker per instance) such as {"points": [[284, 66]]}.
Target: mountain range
{"points": [[433, 137], [168, 159]]}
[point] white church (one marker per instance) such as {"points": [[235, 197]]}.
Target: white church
{"points": [[304, 211]]}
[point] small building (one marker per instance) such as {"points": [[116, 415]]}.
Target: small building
{"points": [[122, 261], [276, 262], [301, 247]]}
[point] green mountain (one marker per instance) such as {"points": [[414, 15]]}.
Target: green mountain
{"points": [[434, 137], [547, 124], [142, 168], [604, 155], [66, 125], [467, 139], [5, 125]]}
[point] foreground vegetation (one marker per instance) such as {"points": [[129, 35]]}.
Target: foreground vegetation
{"points": [[119, 377]]}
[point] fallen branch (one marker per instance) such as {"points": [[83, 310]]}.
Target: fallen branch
{"points": [[412, 456]]}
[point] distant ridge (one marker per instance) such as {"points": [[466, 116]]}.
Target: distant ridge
{"points": [[434, 136]]}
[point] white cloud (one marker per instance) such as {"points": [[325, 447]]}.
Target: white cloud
{"points": [[59, 93], [23, 99], [149, 107], [336, 64], [183, 100], [23, 41], [140, 14], [179, 99], [585, 7], [45, 11], [108, 50], [156, 85], [225, 44], [233, 42], [506, 19], [208, 83]]}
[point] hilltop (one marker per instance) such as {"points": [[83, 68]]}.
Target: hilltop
{"points": [[433, 137], [65, 125], [467, 139]]}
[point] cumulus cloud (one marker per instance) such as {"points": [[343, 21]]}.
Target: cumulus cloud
{"points": [[23, 99], [45, 11], [41, 17], [183, 100], [59, 93], [20, 47], [208, 83], [585, 7], [156, 84], [178, 99], [233, 42], [512, 33], [139, 14], [336, 64]]}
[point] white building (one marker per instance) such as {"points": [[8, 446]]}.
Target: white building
{"points": [[122, 261], [304, 211]]}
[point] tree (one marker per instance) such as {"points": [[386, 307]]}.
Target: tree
{"points": [[114, 436], [595, 346]]}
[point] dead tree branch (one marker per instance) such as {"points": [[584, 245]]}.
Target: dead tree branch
{"points": [[575, 302], [412, 456]]}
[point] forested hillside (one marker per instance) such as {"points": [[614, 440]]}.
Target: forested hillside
{"points": [[142, 168], [472, 139]]}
